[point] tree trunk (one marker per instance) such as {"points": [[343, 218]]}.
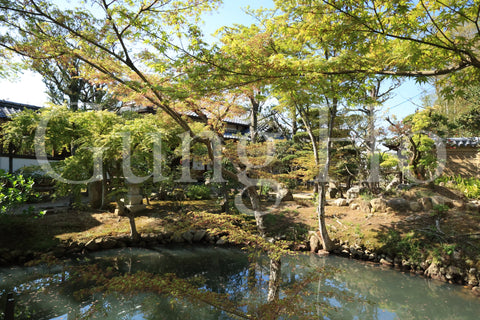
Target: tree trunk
{"points": [[224, 191], [95, 194], [255, 201], [133, 228], [293, 114], [275, 279], [254, 118], [104, 188], [322, 227], [321, 185]]}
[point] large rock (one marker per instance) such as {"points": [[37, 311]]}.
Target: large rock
{"points": [[472, 206], [476, 291], [415, 206], [439, 200], [353, 192], [426, 203], [221, 241], [198, 235], [378, 205], [287, 196], [341, 202], [399, 204], [188, 236], [108, 243], [365, 206], [93, 244], [471, 280], [354, 206], [315, 244], [177, 238], [459, 204], [434, 271], [395, 182], [332, 192], [386, 262], [453, 273]]}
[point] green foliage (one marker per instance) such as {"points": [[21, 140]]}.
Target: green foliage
{"points": [[461, 108], [81, 132], [417, 132], [367, 195], [387, 161], [439, 210], [443, 250], [15, 191], [345, 159], [36, 173], [449, 248], [408, 245], [469, 186], [198, 192], [470, 121]]}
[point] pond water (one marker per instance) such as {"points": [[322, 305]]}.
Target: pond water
{"points": [[135, 284]]}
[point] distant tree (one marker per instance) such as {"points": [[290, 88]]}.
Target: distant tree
{"points": [[125, 144], [414, 135], [65, 84]]}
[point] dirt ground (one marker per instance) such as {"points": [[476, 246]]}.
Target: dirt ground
{"points": [[460, 228]]}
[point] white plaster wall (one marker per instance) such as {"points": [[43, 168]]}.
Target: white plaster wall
{"points": [[17, 163]]}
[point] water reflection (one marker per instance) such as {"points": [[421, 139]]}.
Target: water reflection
{"points": [[225, 284]]}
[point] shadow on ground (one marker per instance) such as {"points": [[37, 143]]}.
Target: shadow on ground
{"points": [[28, 232]]}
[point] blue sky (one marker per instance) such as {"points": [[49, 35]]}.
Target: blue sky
{"points": [[28, 88]]}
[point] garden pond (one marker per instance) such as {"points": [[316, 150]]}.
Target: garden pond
{"points": [[225, 283]]}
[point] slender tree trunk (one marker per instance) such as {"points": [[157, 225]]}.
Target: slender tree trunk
{"points": [[321, 185], [374, 175], [294, 121], [255, 202], [275, 279], [322, 226], [224, 191], [252, 190], [133, 227], [254, 118], [73, 91], [104, 188]]}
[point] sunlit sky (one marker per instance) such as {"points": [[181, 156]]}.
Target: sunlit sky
{"points": [[29, 88]]}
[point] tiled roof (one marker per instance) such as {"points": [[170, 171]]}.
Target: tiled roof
{"points": [[7, 108], [464, 142], [234, 120]]}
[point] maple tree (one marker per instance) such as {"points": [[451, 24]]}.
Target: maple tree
{"points": [[134, 48], [119, 147], [131, 48]]}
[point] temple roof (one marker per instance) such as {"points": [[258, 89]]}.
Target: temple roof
{"points": [[8, 109], [473, 142]]}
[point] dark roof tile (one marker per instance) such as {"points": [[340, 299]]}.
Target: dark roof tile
{"points": [[473, 142], [8, 108]]}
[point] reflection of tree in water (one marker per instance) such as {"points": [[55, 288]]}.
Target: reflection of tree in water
{"points": [[394, 294], [223, 284]]}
